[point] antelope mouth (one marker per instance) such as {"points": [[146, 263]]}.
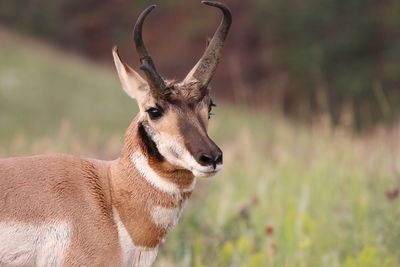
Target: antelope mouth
{"points": [[207, 172]]}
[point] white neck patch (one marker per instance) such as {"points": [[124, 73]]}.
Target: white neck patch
{"points": [[141, 164], [171, 149], [167, 218]]}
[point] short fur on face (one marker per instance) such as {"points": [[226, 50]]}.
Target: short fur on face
{"points": [[180, 134]]}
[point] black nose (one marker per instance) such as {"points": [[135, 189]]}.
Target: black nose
{"points": [[208, 159]]}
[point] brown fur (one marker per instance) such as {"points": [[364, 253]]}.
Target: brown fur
{"points": [[60, 188], [134, 197], [82, 192], [188, 93]]}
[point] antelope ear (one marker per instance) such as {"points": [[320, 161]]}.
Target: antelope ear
{"points": [[132, 83]]}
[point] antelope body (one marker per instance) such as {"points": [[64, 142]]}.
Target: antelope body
{"points": [[60, 210]]}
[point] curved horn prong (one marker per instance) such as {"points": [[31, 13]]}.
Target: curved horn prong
{"points": [[205, 68], [154, 79]]}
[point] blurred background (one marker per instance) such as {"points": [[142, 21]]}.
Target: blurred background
{"points": [[308, 95]]}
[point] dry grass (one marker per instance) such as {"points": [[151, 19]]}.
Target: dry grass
{"points": [[289, 195]]}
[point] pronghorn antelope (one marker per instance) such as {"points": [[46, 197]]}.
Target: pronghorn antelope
{"points": [[60, 210]]}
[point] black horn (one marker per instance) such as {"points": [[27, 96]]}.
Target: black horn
{"points": [[204, 70], [156, 82]]}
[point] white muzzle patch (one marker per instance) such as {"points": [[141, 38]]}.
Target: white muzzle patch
{"points": [[171, 149]]}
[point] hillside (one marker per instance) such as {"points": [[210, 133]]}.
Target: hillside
{"points": [[289, 195]]}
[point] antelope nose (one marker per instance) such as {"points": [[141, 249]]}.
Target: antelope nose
{"points": [[207, 159]]}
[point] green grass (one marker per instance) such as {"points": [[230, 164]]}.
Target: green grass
{"points": [[289, 195]]}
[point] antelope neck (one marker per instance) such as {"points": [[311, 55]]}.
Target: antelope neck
{"points": [[143, 183]]}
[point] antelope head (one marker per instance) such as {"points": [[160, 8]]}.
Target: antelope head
{"points": [[174, 115]]}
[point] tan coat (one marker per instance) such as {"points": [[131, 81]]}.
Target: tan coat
{"points": [[82, 200]]}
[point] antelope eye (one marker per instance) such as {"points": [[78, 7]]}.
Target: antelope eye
{"points": [[210, 106], [154, 113]]}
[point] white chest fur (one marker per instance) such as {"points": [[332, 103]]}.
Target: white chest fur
{"points": [[165, 218], [25, 244], [133, 255]]}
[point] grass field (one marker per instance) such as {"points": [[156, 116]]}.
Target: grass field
{"points": [[290, 195]]}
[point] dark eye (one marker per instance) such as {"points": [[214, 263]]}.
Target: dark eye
{"points": [[210, 106], [154, 113]]}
